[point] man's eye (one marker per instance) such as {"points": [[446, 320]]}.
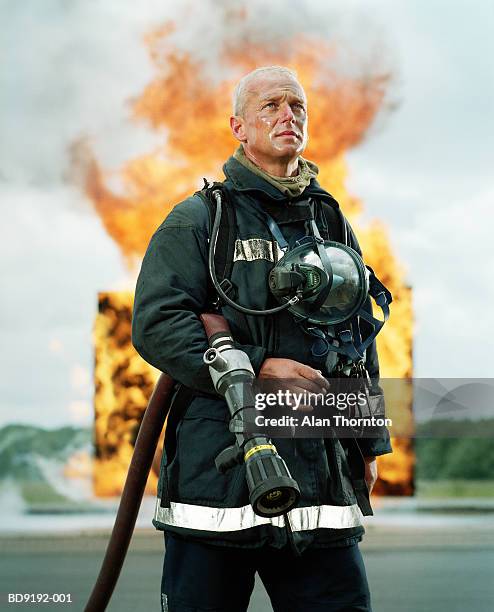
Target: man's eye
{"points": [[269, 105]]}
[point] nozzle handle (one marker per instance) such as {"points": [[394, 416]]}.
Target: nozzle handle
{"points": [[228, 458], [215, 324]]}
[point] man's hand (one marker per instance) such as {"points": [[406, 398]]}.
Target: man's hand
{"points": [[307, 378], [294, 377], [370, 472]]}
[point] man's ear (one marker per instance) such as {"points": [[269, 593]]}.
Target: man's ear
{"points": [[238, 128]]}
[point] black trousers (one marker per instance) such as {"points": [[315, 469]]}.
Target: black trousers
{"points": [[218, 579]]}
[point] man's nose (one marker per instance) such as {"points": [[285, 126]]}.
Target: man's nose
{"points": [[286, 113]]}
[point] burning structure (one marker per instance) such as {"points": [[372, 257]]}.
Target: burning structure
{"points": [[191, 106]]}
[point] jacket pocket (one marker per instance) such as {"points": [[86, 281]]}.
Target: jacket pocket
{"points": [[181, 402], [191, 476]]}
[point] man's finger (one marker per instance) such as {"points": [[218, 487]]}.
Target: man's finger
{"points": [[313, 375], [307, 385]]}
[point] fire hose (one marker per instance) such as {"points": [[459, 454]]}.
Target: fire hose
{"points": [[272, 491], [130, 502]]}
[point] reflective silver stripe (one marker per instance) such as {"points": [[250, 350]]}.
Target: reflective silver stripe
{"points": [[204, 518], [254, 249], [325, 517]]}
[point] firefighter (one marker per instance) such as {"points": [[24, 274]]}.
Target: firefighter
{"points": [[308, 560]]}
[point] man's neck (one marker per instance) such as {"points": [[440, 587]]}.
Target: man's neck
{"points": [[280, 167]]}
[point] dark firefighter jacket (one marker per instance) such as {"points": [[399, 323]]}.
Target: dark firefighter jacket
{"points": [[173, 289]]}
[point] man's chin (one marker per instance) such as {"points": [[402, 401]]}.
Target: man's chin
{"points": [[287, 151]]}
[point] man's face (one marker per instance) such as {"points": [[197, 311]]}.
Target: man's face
{"points": [[274, 123]]}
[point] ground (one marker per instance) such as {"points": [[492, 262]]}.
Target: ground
{"points": [[427, 563]]}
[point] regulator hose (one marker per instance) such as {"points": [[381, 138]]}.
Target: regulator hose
{"points": [[212, 272]]}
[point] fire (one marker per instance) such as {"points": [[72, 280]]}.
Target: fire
{"points": [[191, 108], [123, 385]]}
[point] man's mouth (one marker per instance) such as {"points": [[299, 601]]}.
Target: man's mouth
{"points": [[288, 133]]}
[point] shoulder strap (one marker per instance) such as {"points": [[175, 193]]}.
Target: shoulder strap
{"points": [[225, 244], [333, 222]]}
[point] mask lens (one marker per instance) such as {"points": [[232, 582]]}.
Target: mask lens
{"points": [[349, 287]]}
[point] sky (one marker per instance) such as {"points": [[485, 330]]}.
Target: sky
{"points": [[68, 69]]}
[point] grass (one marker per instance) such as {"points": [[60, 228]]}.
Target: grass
{"points": [[40, 493], [427, 489]]}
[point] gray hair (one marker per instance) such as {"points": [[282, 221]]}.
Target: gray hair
{"points": [[240, 91]]}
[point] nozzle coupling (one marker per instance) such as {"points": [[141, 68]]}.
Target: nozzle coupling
{"points": [[214, 359]]}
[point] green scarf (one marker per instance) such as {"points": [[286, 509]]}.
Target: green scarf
{"points": [[291, 186]]}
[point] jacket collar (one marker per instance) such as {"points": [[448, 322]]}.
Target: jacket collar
{"points": [[244, 180]]}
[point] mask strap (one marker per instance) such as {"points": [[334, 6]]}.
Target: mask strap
{"points": [[276, 233], [383, 298], [382, 301], [326, 264]]}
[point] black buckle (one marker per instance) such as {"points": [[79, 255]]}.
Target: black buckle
{"points": [[345, 335], [380, 298], [305, 240], [227, 287]]}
